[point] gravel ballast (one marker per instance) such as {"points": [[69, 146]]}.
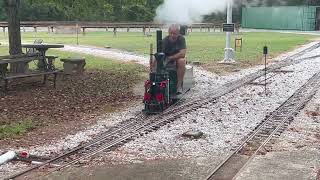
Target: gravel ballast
{"points": [[223, 123]]}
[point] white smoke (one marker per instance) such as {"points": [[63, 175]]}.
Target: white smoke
{"points": [[187, 11]]}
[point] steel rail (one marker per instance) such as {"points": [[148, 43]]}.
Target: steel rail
{"points": [[280, 116], [96, 141], [182, 109], [187, 106]]}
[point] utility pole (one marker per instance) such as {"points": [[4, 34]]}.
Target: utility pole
{"points": [[228, 51]]}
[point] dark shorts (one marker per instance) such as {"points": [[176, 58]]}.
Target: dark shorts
{"points": [[171, 65]]}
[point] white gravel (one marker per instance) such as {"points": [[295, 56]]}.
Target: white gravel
{"points": [[224, 123], [70, 141]]}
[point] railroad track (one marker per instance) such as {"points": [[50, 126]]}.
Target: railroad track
{"points": [[142, 124], [271, 127]]}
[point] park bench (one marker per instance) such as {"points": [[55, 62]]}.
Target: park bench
{"points": [[6, 75], [73, 65]]}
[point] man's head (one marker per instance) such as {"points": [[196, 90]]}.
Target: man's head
{"points": [[174, 31]]}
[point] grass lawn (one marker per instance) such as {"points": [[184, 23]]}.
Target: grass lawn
{"points": [[204, 47], [92, 62], [4, 50], [16, 128]]}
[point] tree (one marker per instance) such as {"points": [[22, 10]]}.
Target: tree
{"points": [[94, 10], [46, 11], [121, 10], [12, 9]]}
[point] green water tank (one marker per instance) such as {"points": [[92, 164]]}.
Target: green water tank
{"points": [[302, 18]]}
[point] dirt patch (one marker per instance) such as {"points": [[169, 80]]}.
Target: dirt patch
{"points": [[72, 106], [313, 114], [244, 63], [224, 69]]}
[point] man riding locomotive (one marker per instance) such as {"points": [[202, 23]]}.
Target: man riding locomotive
{"points": [[175, 49], [169, 76]]}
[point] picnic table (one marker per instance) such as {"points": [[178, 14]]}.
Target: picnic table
{"points": [[42, 49], [40, 56]]}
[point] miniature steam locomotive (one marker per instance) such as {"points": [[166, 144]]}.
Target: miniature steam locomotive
{"points": [[160, 89]]}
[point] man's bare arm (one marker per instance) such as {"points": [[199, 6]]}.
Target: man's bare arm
{"points": [[181, 54]]}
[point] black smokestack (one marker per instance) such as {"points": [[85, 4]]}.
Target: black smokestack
{"points": [[183, 30], [159, 41]]}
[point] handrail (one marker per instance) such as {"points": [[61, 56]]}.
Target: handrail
{"points": [[100, 24]]}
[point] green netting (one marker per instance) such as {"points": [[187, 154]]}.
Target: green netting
{"points": [[282, 17]]}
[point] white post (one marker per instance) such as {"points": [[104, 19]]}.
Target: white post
{"points": [[228, 51], [7, 157]]}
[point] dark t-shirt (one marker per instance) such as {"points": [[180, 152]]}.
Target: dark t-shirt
{"points": [[171, 48]]}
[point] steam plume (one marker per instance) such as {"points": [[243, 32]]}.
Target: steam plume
{"points": [[187, 11]]}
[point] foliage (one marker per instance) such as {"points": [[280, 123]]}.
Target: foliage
{"points": [[97, 10], [45, 11], [121, 10], [3, 15]]}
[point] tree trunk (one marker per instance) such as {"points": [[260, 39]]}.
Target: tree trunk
{"points": [[14, 34]]}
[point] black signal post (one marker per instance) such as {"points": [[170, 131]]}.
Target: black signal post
{"points": [[265, 53]]}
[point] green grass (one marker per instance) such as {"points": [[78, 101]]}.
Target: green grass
{"points": [[17, 128], [203, 47], [4, 50], [93, 62]]}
